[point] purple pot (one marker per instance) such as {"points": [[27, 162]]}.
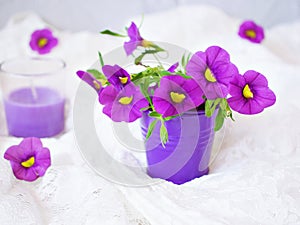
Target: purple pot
{"points": [[186, 155]]}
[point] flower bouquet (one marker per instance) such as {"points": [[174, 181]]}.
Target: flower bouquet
{"points": [[180, 105]]}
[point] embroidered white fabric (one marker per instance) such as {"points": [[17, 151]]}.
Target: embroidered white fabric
{"points": [[254, 178]]}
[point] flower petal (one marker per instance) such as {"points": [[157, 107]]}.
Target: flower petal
{"points": [[107, 95]]}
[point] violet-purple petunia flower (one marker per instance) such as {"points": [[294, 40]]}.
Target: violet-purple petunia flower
{"points": [[29, 160], [251, 31], [212, 70], [250, 93], [90, 80], [43, 41], [123, 105], [135, 39], [116, 75], [176, 95]]}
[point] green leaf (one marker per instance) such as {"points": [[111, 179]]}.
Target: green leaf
{"points": [[97, 74], [163, 134], [183, 61], [170, 117], [144, 109], [150, 129], [164, 73], [183, 75], [155, 114], [210, 106], [136, 77], [101, 59], [108, 32], [219, 120]]}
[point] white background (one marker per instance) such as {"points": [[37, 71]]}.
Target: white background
{"points": [[95, 15]]}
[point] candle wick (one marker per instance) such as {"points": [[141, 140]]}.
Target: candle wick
{"points": [[33, 92]]}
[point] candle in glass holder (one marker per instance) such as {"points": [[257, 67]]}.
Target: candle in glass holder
{"points": [[33, 97]]}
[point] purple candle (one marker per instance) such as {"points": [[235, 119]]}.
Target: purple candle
{"points": [[33, 96], [37, 112]]}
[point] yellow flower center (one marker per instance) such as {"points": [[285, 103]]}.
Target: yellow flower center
{"points": [[176, 97], [28, 163], [42, 42], [250, 33], [123, 80], [209, 75], [247, 93], [125, 100]]}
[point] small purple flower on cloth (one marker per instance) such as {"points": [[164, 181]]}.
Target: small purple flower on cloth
{"points": [[250, 93], [213, 71], [176, 95], [43, 41], [251, 31], [29, 160], [123, 105]]}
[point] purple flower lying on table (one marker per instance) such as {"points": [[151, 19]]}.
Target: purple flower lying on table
{"points": [[250, 93], [43, 41], [212, 70], [251, 31], [29, 160], [124, 105], [176, 95]]}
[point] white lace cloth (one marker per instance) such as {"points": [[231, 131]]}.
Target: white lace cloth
{"points": [[254, 179]]}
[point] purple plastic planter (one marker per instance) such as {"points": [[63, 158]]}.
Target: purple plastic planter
{"points": [[186, 155]]}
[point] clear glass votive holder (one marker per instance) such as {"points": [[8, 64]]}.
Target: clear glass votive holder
{"points": [[33, 96]]}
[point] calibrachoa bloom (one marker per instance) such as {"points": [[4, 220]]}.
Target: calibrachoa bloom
{"points": [[124, 105], [176, 95], [89, 79], [250, 93], [135, 39], [116, 75], [29, 160], [212, 70], [43, 41], [251, 31]]}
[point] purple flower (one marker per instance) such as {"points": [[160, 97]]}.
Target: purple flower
{"points": [[89, 79], [173, 67], [176, 95], [124, 105], [29, 160], [250, 93], [251, 31], [116, 75], [212, 70], [42, 41], [135, 39]]}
